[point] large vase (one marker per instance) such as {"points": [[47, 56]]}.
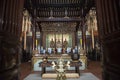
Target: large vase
{"points": [[75, 57]]}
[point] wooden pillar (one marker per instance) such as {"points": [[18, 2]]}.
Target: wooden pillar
{"points": [[62, 42], [41, 36], [92, 33], [34, 31], [75, 34], [10, 31], [109, 32], [83, 35], [76, 40], [33, 36], [55, 40]]}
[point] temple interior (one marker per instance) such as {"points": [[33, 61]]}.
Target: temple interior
{"points": [[59, 40]]}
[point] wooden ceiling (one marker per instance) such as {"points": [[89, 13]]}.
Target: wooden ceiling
{"points": [[42, 10], [58, 10]]}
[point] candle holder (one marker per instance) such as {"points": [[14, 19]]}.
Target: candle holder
{"points": [[60, 67]]}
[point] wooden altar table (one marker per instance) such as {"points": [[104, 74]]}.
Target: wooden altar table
{"points": [[43, 65]]}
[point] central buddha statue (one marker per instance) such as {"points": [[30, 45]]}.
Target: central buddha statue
{"points": [[59, 44]]}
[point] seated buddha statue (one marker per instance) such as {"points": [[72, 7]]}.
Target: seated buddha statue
{"points": [[52, 44]]}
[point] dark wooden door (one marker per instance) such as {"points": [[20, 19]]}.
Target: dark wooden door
{"points": [[108, 14], [10, 29]]}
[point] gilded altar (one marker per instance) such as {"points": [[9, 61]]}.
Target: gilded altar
{"points": [[39, 58], [57, 39]]}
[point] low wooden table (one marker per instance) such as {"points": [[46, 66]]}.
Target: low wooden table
{"points": [[76, 64]]}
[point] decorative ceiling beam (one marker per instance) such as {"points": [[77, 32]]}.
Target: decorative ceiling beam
{"points": [[60, 1], [58, 5], [58, 19]]}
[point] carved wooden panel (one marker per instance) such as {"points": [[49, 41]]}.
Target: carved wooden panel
{"points": [[59, 27]]}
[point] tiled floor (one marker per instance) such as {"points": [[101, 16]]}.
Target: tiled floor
{"points": [[93, 67]]}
